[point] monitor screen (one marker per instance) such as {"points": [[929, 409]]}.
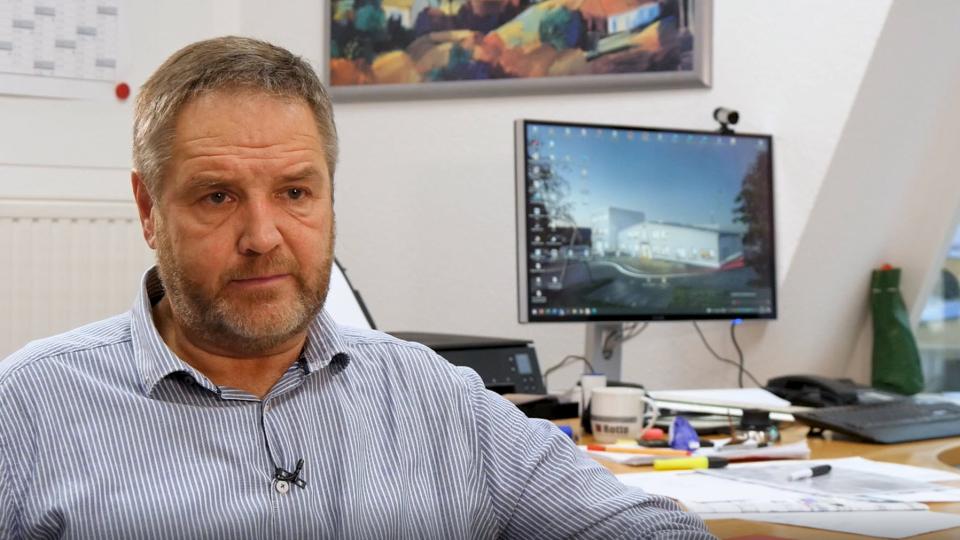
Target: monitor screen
{"points": [[629, 223]]}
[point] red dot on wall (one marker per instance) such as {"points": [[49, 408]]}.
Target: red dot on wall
{"points": [[122, 90]]}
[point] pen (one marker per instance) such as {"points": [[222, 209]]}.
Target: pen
{"points": [[637, 450], [683, 464], [812, 472]]}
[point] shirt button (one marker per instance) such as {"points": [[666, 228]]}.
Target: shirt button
{"points": [[267, 408], [282, 487]]}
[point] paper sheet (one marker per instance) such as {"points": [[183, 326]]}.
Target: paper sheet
{"points": [[841, 481], [704, 494], [946, 495], [688, 486], [757, 398], [709, 496], [921, 474], [62, 48], [875, 524], [806, 504], [621, 458]]}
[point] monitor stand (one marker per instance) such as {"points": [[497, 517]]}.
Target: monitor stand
{"points": [[597, 334]]}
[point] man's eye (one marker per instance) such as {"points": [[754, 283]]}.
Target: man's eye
{"points": [[217, 198], [296, 193]]}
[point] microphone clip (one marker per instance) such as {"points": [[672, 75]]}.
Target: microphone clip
{"points": [[283, 475]]}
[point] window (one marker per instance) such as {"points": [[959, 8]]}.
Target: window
{"points": [[938, 334]]}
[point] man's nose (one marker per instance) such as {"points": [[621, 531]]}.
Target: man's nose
{"points": [[260, 234]]}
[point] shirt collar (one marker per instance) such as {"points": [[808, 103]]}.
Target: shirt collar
{"points": [[156, 361]]}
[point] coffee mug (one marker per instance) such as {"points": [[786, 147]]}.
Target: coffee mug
{"points": [[617, 413]]}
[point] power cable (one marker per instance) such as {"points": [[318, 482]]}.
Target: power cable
{"points": [[621, 336], [739, 365], [566, 361]]}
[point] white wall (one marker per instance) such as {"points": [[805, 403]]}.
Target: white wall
{"points": [[66, 159], [80, 150], [425, 186], [892, 192]]}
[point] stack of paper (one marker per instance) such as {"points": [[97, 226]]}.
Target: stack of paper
{"points": [[858, 496], [725, 401], [742, 398]]}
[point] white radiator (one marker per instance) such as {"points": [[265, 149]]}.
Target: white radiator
{"points": [[65, 264]]}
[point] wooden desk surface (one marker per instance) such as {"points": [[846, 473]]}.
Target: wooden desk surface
{"points": [[932, 454]]}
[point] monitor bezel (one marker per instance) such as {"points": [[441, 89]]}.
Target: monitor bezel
{"points": [[520, 157]]}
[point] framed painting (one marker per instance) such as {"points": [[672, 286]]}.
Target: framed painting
{"points": [[402, 49]]}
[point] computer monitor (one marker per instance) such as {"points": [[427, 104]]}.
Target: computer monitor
{"points": [[620, 224]]}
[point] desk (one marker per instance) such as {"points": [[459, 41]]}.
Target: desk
{"points": [[933, 454]]}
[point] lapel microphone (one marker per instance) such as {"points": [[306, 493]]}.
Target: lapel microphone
{"points": [[339, 362], [291, 477]]}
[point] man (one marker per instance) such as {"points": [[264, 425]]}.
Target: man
{"points": [[227, 404]]}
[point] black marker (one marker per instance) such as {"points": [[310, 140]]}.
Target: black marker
{"points": [[812, 472]]}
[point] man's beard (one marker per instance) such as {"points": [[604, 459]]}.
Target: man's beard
{"points": [[251, 324]]}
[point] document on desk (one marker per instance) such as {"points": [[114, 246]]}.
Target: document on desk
{"points": [[753, 502], [711, 494], [852, 477], [940, 492], [872, 524], [923, 474], [803, 504], [840, 480], [887, 515]]}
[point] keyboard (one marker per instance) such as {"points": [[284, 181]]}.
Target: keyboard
{"points": [[895, 421]]}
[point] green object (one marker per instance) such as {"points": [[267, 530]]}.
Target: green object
{"points": [[896, 360]]}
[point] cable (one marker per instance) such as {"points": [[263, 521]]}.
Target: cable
{"points": [[740, 366], [733, 338], [565, 362], [621, 336]]}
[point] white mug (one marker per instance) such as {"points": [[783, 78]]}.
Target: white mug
{"points": [[617, 412]]}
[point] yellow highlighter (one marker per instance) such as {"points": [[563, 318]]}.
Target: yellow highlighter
{"points": [[683, 464]]}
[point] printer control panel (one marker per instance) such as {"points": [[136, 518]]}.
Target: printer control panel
{"points": [[505, 370], [507, 366]]}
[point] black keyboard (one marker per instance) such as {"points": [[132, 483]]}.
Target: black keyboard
{"points": [[896, 421]]}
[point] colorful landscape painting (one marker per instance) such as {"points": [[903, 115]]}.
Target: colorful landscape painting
{"points": [[415, 42]]}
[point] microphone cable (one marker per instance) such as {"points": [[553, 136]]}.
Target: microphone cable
{"points": [[280, 474]]}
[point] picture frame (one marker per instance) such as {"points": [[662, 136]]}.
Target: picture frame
{"points": [[426, 49]]}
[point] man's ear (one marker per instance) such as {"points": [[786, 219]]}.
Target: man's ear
{"points": [[145, 208]]}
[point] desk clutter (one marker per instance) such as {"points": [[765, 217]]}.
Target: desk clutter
{"points": [[857, 496], [778, 484], [620, 453], [751, 474]]}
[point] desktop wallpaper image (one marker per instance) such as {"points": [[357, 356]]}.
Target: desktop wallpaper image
{"points": [[630, 221]]}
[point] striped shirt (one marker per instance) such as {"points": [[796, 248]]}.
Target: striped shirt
{"points": [[105, 433]]}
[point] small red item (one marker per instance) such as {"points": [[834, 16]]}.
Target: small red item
{"points": [[886, 267], [122, 90], [653, 434]]}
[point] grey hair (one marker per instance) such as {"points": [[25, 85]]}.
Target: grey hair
{"points": [[228, 63]]}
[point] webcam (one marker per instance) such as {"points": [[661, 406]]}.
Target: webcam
{"points": [[726, 117]]}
